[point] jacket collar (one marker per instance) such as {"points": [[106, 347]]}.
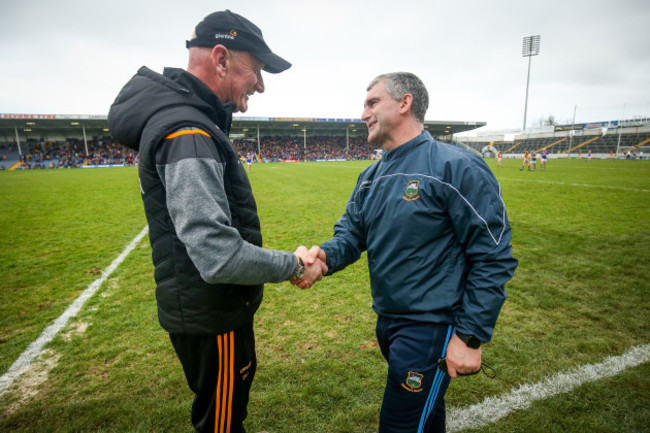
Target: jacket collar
{"points": [[221, 113], [405, 148]]}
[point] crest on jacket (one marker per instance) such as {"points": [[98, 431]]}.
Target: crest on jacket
{"points": [[412, 191]]}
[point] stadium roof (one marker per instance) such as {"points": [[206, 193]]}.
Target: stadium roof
{"points": [[37, 126]]}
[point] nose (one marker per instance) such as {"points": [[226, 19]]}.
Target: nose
{"points": [[260, 83], [365, 114]]}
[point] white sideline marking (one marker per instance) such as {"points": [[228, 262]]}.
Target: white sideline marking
{"points": [[586, 185], [493, 409], [35, 349], [314, 164]]}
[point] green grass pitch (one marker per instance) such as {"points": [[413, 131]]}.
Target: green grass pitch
{"points": [[581, 294]]}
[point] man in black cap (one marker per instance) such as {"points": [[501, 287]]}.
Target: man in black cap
{"points": [[205, 235]]}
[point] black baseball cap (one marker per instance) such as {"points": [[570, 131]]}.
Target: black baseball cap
{"points": [[236, 32]]}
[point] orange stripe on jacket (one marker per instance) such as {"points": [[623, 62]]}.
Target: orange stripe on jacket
{"points": [[186, 132]]}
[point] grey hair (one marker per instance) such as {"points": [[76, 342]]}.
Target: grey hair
{"points": [[399, 84]]}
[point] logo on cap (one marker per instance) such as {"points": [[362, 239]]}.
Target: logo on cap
{"points": [[233, 33], [224, 36]]}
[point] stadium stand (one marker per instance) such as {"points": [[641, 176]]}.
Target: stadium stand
{"points": [[72, 153], [273, 149], [105, 152], [284, 139], [632, 140], [8, 156], [53, 140]]}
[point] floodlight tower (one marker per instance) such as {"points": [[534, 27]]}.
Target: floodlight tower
{"points": [[530, 48]]}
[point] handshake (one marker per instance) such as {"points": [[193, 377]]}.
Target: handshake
{"points": [[315, 267]]}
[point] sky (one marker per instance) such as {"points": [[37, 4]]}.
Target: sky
{"points": [[74, 56]]}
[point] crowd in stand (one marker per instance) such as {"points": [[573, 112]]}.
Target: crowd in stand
{"points": [[317, 148], [72, 153], [105, 151]]}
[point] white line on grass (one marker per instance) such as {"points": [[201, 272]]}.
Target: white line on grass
{"points": [[493, 409], [586, 185], [313, 164], [34, 350]]}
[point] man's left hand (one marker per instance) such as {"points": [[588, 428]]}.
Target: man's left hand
{"points": [[462, 359]]}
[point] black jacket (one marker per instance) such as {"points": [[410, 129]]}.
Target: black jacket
{"points": [[203, 225]]}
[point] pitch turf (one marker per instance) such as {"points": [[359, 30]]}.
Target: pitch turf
{"points": [[580, 294]]}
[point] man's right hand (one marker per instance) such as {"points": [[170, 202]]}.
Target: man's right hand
{"points": [[315, 267]]}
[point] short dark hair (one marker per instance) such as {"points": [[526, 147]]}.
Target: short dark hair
{"points": [[399, 84]]}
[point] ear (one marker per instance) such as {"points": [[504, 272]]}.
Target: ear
{"points": [[406, 103], [220, 59]]}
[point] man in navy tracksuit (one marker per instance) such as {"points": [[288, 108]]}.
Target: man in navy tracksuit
{"points": [[432, 219]]}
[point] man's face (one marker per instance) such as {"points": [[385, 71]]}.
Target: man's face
{"points": [[380, 112], [245, 78]]}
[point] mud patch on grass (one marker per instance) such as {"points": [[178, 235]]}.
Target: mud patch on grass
{"points": [[74, 330], [27, 386]]}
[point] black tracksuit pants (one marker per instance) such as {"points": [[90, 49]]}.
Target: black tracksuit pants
{"points": [[219, 370]]}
